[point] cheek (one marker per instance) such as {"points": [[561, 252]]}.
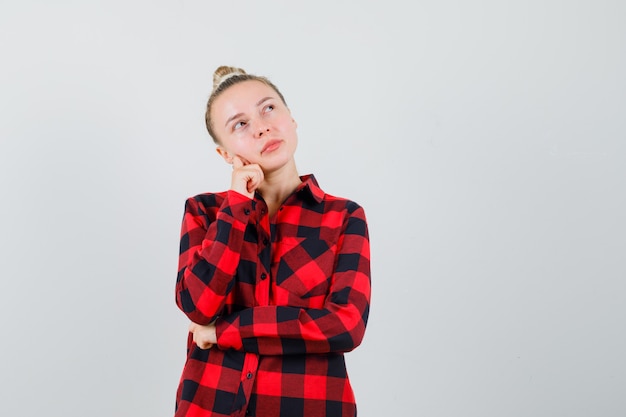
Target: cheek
{"points": [[244, 148], [288, 125], [237, 142]]}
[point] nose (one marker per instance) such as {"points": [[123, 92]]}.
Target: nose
{"points": [[261, 131]]}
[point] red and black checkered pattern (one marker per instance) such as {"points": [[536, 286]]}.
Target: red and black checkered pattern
{"points": [[289, 297]]}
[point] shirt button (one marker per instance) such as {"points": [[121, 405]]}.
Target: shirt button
{"points": [[263, 275], [246, 211], [249, 375]]}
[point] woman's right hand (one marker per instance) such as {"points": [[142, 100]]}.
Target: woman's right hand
{"points": [[246, 177], [203, 336]]}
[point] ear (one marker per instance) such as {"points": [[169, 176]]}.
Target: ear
{"points": [[292, 119], [225, 154]]}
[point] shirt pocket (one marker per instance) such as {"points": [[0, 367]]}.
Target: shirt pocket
{"points": [[304, 266]]}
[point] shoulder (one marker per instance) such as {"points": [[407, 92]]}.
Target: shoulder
{"points": [[330, 202], [204, 203], [341, 203]]}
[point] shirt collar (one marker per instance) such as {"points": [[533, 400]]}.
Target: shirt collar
{"points": [[310, 187]]}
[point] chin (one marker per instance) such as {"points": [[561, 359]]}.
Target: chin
{"points": [[275, 164]]}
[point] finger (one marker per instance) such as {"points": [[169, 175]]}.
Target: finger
{"points": [[237, 162], [256, 178], [254, 183], [255, 170], [244, 160]]}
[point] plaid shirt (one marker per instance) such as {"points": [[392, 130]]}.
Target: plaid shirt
{"points": [[289, 295]]}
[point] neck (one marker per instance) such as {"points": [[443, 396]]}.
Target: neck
{"points": [[278, 185]]}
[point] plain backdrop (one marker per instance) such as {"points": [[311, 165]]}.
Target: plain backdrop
{"points": [[486, 141]]}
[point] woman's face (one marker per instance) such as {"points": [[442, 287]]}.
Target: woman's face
{"points": [[251, 122]]}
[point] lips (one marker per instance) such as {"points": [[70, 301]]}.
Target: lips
{"points": [[271, 145]]}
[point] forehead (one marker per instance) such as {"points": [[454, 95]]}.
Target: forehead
{"points": [[241, 97]]}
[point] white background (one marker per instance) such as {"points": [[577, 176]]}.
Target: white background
{"points": [[485, 140]]}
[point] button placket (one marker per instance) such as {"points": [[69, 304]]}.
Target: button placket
{"points": [[262, 289]]}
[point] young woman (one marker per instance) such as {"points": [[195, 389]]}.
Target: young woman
{"points": [[274, 274]]}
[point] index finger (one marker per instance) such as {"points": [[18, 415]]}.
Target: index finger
{"points": [[243, 160], [237, 162]]}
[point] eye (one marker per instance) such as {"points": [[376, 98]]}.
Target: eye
{"points": [[239, 125], [268, 108]]}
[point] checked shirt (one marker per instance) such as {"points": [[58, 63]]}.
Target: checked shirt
{"points": [[289, 295]]}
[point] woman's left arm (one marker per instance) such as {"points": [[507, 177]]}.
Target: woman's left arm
{"points": [[337, 327]]}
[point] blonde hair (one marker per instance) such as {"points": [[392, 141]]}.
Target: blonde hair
{"points": [[225, 77]]}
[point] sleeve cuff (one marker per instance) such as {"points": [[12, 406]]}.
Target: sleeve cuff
{"points": [[228, 336], [238, 206]]}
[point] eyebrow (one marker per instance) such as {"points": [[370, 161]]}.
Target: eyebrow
{"points": [[263, 100]]}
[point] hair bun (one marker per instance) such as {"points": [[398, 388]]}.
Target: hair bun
{"points": [[223, 72]]}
